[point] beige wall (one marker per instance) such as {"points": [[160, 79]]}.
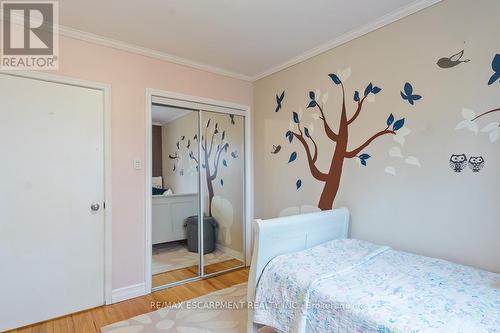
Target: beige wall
{"points": [[185, 177], [129, 76], [426, 209]]}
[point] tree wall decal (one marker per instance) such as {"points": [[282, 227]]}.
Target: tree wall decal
{"points": [[214, 145], [332, 177]]}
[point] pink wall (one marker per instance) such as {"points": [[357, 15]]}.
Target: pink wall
{"points": [[129, 75]]}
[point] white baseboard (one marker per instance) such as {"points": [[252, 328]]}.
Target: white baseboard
{"points": [[230, 252], [128, 292]]}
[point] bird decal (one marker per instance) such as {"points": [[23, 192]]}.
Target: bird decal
{"points": [[408, 94], [452, 61], [495, 65], [276, 149], [231, 116], [458, 162], [476, 163], [279, 99]]}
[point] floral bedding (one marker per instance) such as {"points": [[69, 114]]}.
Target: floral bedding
{"points": [[350, 285]]}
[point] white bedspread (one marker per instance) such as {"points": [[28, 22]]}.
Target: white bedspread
{"points": [[350, 285]]}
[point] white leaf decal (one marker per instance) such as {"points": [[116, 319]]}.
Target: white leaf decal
{"points": [[401, 134], [468, 114], [291, 127], [165, 324], [324, 98], [300, 112], [182, 314], [494, 136], [473, 127], [315, 116], [370, 98], [412, 160], [490, 127], [390, 170], [395, 152], [462, 124], [344, 74]]}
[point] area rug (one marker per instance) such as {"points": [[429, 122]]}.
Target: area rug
{"points": [[175, 255], [223, 311]]}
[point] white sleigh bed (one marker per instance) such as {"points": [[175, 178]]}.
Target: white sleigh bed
{"points": [[287, 234], [337, 284]]}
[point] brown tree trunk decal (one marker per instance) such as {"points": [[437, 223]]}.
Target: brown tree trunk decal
{"points": [[332, 177], [212, 151]]}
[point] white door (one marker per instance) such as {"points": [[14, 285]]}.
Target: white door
{"points": [[51, 172]]}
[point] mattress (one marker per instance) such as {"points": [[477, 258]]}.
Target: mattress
{"points": [[350, 285]]}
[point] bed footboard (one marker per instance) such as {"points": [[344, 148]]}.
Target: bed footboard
{"points": [[282, 235]]}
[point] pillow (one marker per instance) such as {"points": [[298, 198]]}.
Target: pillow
{"points": [[158, 191], [157, 182]]}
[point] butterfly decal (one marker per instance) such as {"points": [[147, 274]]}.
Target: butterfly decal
{"points": [[279, 99], [408, 94], [195, 138], [495, 65], [276, 149], [231, 116], [234, 154]]}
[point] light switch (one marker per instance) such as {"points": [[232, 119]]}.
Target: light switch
{"points": [[137, 164]]}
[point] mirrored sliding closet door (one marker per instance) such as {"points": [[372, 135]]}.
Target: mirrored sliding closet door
{"points": [[222, 190], [198, 192], [175, 195]]}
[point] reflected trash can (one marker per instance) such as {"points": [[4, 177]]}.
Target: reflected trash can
{"points": [[210, 226]]}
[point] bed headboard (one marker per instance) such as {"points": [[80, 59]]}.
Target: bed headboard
{"points": [[287, 234]]}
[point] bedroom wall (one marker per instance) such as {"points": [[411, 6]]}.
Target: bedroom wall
{"points": [[129, 76], [184, 179], [407, 195]]}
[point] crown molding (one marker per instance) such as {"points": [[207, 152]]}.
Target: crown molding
{"points": [[123, 46], [351, 35]]}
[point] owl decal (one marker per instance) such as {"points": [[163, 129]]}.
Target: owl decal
{"points": [[476, 163], [458, 162]]}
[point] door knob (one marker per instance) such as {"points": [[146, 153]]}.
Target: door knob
{"points": [[95, 207]]}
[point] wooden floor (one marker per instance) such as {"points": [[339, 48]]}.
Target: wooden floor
{"points": [[191, 272], [91, 321]]}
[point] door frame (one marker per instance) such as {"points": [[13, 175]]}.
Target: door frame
{"points": [[106, 89], [187, 101]]}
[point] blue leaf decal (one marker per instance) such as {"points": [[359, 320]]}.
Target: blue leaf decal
{"points": [[364, 156], [222, 182], [306, 131], [368, 89], [298, 183], [390, 120], [356, 96], [495, 65], [363, 162], [311, 104], [224, 162], [296, 117], [289, 135], [335, 78], [293, 157], [376, 90], [398, 124], [312, 95]]}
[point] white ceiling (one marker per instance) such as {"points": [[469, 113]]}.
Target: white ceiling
{"points": [[247, 39], [162, 114]]}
